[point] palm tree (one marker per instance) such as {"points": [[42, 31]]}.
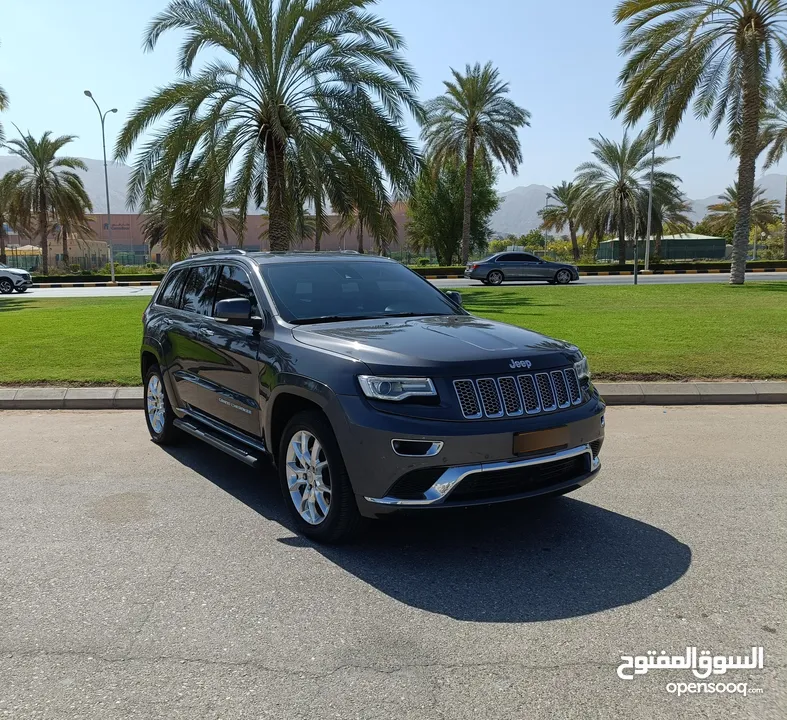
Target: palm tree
{"points": [[474, 118], [716, 52], [3, 108], [774, 136], [723, 215], [9, 195], [556, 217], [306, 90], [48, 185], [613, 187]]}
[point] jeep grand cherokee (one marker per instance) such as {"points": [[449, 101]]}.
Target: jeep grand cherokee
{"points": [[370, 389]]}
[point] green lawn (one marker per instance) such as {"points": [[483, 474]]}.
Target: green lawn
{"points": [[655, 331], [649, 332]]}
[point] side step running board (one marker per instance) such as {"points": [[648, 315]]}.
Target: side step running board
{"points": [[236, 449]]}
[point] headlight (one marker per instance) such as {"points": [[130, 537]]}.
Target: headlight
{"points": [[582, 369], [395, 388]]}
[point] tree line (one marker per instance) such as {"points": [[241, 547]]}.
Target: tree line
{"points": [[303, 112]]}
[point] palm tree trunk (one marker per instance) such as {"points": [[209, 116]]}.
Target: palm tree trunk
{"points": [[278, 215], [317, 236], [573, 232], [748, 158], [3, 258], [360, 235], [784, 225], [42, 231], [468, 207], [65, 247], [622, 232]]}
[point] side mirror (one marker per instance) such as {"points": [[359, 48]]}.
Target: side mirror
{"points": [[455, 296], [236, 311]]}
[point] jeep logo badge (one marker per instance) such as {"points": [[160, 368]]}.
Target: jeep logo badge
{"points": [[520, 364]]}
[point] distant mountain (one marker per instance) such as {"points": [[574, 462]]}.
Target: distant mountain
{"points": [[93, 180], [518, 213]]}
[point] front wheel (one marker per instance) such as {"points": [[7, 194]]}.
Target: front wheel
{"points": [[5, 286], [495, 278], [314, 481], [159, 415], [563, 277]]}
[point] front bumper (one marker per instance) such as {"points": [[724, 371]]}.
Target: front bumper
{"points": [[22, 282], [467, 449]]}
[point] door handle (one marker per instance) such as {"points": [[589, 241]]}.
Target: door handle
{"points": [[205, 332]]}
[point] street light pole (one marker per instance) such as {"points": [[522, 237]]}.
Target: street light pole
{"points": [[650, 206], [103, 117]]}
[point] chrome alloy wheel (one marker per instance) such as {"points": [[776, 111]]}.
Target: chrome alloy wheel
{"points": [[155, 404], [308, 478]]}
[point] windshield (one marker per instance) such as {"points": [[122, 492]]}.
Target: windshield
{"points": [[328, 291], [4, 267]]}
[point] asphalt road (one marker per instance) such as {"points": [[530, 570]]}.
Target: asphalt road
{"points": [[144, 291], [139, 582]]}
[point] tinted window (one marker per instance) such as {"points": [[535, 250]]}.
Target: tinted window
{"points": [[327, 290], [170, 295], [510, 257], [527, 257], [199, 289], [234, 283]]}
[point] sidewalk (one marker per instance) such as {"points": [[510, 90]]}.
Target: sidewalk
{"points": [[700, 393]]}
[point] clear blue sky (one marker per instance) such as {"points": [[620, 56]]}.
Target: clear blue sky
{"points": [[562, 66]]}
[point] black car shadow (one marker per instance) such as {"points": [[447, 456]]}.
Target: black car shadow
{"points": [[518, 562]]}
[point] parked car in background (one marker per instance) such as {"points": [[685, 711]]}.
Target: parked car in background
{"points": [[507, 266], [14, 279], [371, 390]]}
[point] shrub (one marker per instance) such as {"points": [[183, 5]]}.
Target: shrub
{"points": [[74, 267], [423, 261], [152, 266]]}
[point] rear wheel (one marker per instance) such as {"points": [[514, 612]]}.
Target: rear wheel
{"points": [[495, 278], [314, 481], [5, 286], [563, 277], [159, 415]]}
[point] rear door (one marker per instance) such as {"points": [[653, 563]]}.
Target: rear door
{"points": [[230, 366], [510, 265]]}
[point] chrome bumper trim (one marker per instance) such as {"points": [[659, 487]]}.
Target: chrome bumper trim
{"points": [[454, 475]]}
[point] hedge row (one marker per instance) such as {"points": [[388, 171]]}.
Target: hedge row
{"points": [[610, 267], [124, 277]]}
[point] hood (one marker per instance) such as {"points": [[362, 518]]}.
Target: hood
{"points": [[456, 343], [14, 271]]}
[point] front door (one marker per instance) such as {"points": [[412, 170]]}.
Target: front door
{"points": [[230, 368]]}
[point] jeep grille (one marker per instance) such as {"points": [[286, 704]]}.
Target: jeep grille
{"points": [[530, 394]]}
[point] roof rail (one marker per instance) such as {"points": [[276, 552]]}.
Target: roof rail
{"points": [[236, 251]]}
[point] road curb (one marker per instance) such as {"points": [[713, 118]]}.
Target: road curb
{"points": [[699, 393]]}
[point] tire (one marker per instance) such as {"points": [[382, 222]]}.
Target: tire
{"points": [[161, 428], [6, 287], [331, 519], [563, 277], [21, 289], [495, 278]]}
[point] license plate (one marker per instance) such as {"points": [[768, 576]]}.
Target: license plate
{"points": [[552, 439]]}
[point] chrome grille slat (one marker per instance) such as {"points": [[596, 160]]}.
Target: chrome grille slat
{"points": [[490, 397], [561, 389], [527, 386], [572, 382], [512, 402], [468, 399], [546, 392]]}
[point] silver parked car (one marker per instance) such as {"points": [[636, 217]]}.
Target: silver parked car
{"points": [[520, 266]]}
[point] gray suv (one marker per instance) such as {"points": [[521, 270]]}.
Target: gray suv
{"points": [[506, 266], [369, 389]]}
